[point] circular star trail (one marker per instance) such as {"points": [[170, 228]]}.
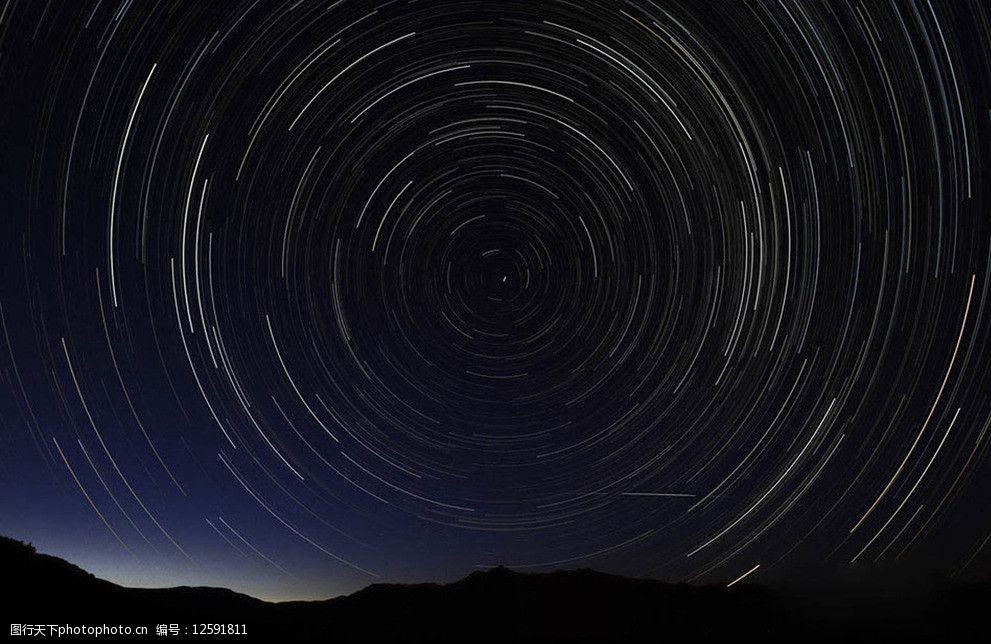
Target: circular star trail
{"points": [[340, 290]]}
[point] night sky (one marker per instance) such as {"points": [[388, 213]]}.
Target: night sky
{"points": [[302, 296]]}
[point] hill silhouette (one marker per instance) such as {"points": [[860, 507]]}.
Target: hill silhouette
{"points": [[500, 605]]}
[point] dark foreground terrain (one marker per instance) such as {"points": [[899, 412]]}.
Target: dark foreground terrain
{"points": [[500, 605]]}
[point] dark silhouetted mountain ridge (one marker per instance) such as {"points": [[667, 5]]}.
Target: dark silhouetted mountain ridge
{"points": [[498, 605]]}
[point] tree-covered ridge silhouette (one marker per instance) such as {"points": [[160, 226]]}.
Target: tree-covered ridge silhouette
{"points": [[501, 605]]}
